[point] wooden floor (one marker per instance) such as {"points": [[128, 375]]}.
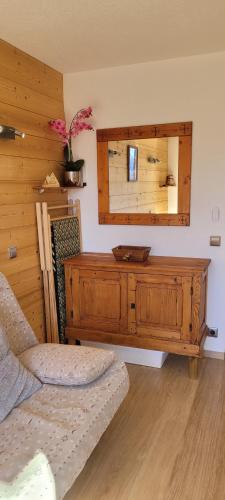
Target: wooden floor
{"points": [[167, 441]]}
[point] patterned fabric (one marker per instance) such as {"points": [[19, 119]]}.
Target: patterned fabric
{"points": [[66, 423], [66, 243], [4, 345], [35, 482], [66, 364], [16, 382], [19, 333]]}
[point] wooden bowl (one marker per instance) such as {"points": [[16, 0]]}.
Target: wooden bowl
{"points": [[131, 253]]}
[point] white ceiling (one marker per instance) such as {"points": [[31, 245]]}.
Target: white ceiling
{"points": [[77, 35]]}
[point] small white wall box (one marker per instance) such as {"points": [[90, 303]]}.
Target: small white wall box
{"points": [[144, 357]]}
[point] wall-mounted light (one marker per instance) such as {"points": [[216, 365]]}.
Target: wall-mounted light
{"points": [[152, 159], [10, 132]]}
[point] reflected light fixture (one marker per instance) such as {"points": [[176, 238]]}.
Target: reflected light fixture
{"points": [[113, 152], [152, 159]]}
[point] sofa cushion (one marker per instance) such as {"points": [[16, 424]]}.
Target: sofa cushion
{"points": [[66, 364], [65, 423], [16, 382], [35, 482], [19, 333]]}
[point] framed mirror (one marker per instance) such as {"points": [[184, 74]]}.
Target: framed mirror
{"points": [[144, 174]]}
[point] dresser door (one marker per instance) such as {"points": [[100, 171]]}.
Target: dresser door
{"points": [[160, 306], [99, 300]]}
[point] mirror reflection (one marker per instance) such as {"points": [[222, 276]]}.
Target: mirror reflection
{"points": [[143, 175]]}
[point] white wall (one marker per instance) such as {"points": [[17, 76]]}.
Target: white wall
{"points": [[189, 89]]}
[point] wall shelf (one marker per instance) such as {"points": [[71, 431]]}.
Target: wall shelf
{"points": [[60, 189]]}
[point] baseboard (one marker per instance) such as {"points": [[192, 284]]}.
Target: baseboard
{"points": [[214, 354]]}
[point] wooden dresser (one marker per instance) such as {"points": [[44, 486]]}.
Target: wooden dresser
{"points": [[158, 305]]}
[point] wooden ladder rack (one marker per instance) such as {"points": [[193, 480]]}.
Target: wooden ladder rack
{"points": [[45, 248]]}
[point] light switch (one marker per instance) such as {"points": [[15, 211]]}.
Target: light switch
{"points": [[215, 241]]}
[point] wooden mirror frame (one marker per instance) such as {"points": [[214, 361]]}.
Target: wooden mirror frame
{"points": [[183, 130]]}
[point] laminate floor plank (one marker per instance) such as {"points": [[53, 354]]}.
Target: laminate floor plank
{"points": [[166, 442]]}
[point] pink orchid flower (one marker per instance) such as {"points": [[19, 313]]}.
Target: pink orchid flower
{"points": [[78, 125]]}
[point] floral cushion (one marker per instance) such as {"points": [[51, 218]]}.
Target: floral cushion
{"points": [[66, 364], [19, 333], [35, 482], [16, 383]]}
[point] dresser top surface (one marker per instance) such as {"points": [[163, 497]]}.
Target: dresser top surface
{"points": [[107, 260]]}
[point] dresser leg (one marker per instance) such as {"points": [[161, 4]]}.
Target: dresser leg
{"points": [[73, 342], [193, 367]]}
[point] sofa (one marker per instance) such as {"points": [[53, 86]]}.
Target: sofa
{"points": [[63, 420]]}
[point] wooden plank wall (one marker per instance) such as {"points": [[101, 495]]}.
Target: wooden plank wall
{"points": [[31, 94], [144, 195]]}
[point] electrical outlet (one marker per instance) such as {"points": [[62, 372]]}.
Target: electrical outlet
{"points": [[213, 332], [12, 252], [215, 241]]}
